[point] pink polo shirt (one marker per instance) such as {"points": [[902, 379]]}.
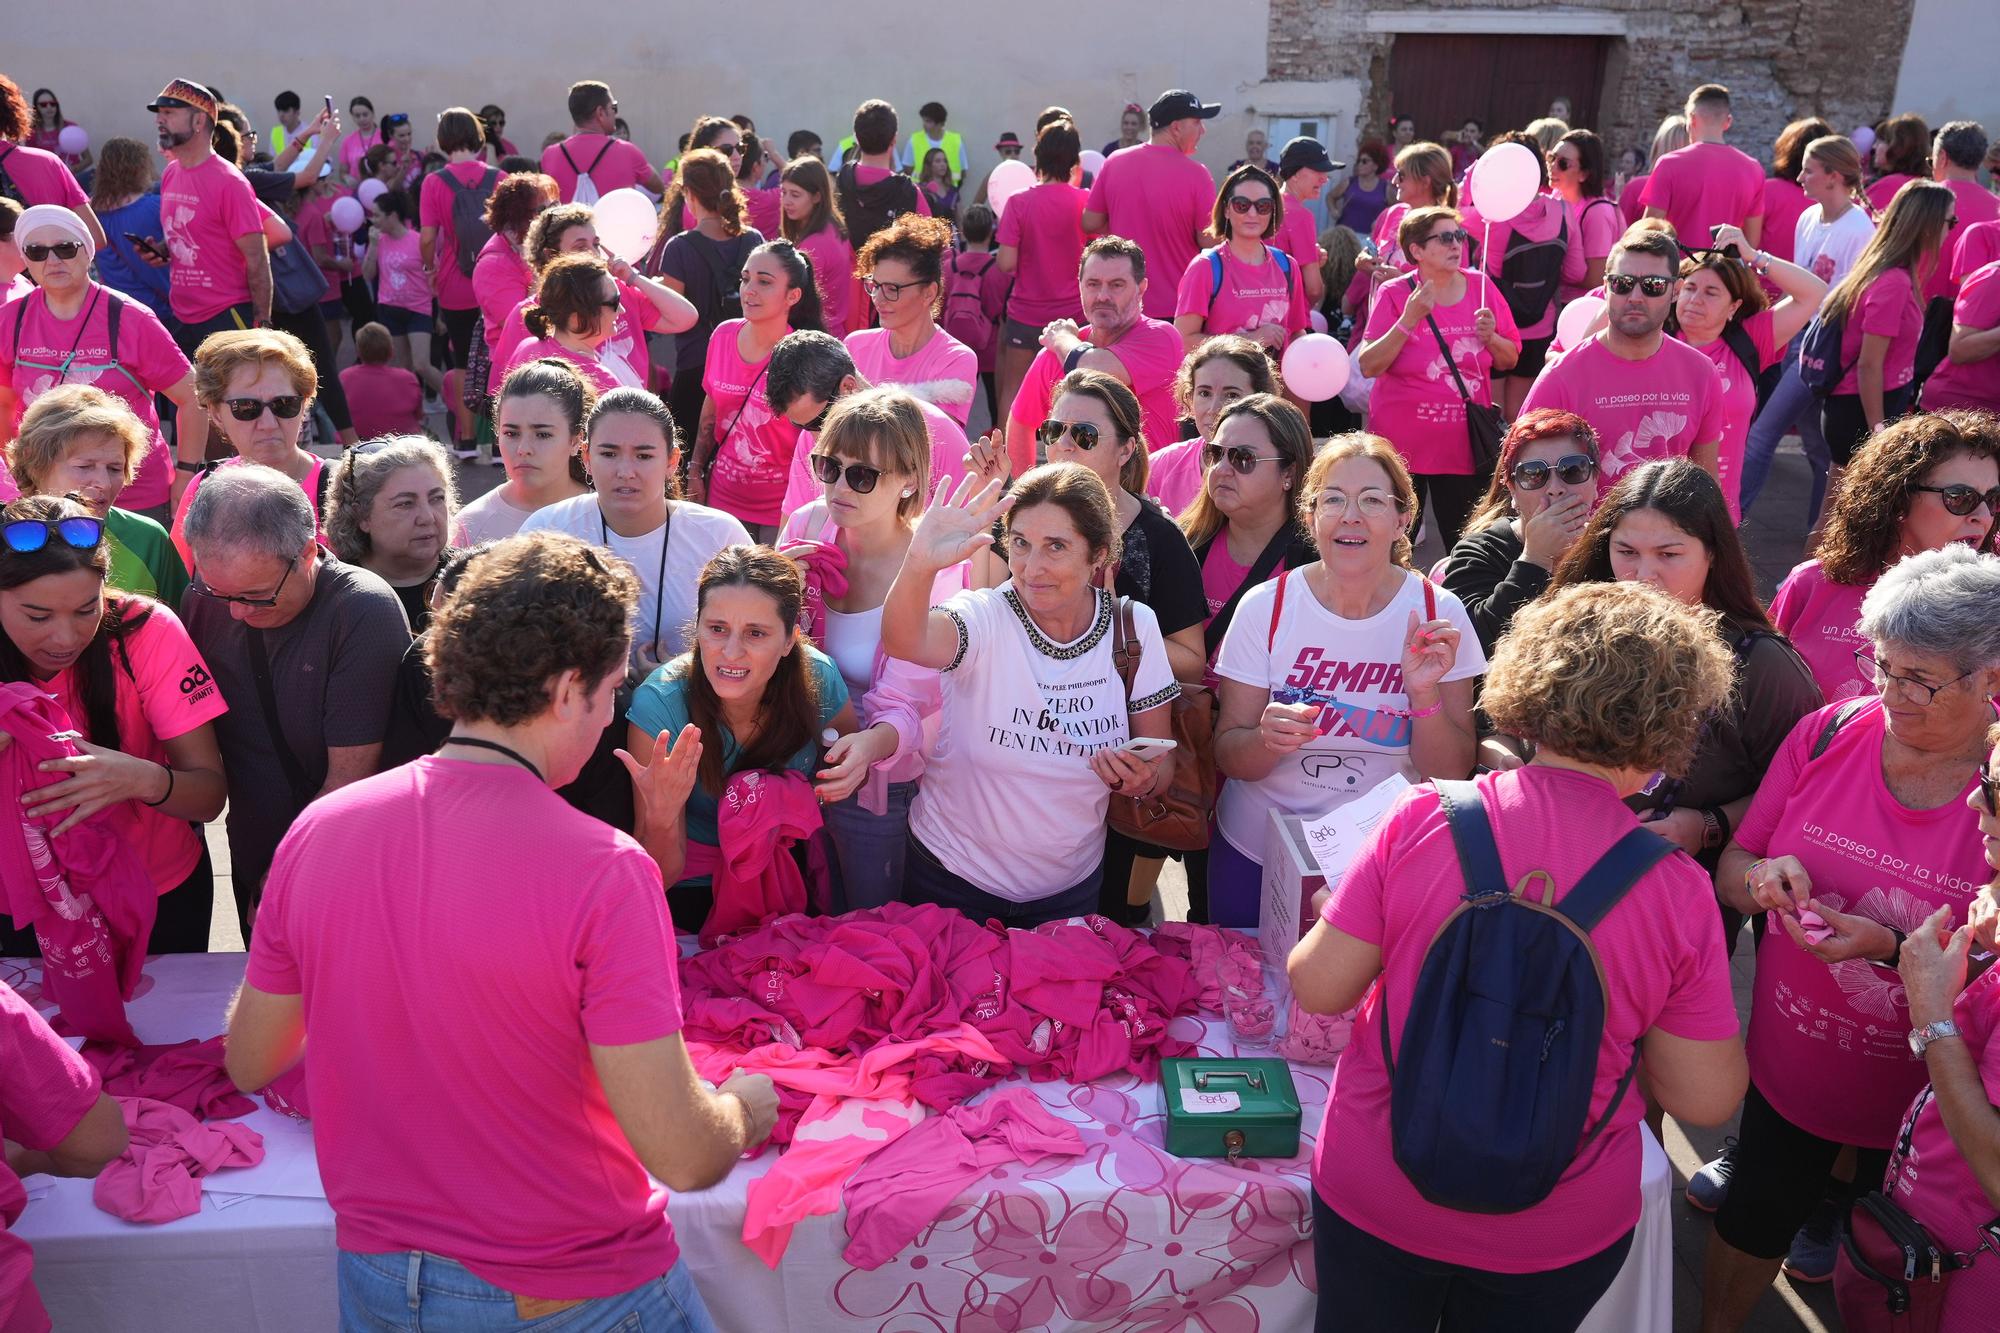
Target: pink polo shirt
{"points": [[1739, 401], [1976, 384], [620, 164], [204, 211], [45, 1091], [1888, 307], [1704, 185], [1820, 617], [434, 201], [1660, 407], [1151, 353], [944, 370], [1045, 223], [1248, 295], [1161, 198]]}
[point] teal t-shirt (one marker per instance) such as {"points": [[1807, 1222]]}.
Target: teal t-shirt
{"points": [[659, 706]]}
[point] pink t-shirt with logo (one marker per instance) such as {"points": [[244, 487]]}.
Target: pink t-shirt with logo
{"points": [[434, 201], [455, 1107], [47, 1091], [620, 164], [400, 279], [833, 274], [168, 694], [943, 371], [1888, 307], [1045, 223], [148, 362], [1161, 198], [1827, 1042], [1820, 617], [1739, 402], [1661, 407], [1704, 185], [1174, 476], [1415, 402], [204, 211], [755, 454], [1249, 295], [42, 178], [1662, 969], [384, 400], [1952, 384], [1976, 206], [1151, 353], [1543, 219]]}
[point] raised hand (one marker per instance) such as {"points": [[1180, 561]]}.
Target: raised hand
{"points": [[663, 785], [1430, 649], [986, 458], [956, 525]]}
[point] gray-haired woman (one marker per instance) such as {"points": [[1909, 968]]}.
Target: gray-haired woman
{"points": [[1854, 839], [390, 510]]}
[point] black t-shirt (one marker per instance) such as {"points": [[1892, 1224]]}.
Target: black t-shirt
{"points": [[698, 263], [1157, 568], [1486, 572]]}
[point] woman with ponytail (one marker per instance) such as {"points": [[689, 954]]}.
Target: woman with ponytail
{"points": [[701, 262], [538, 421]]}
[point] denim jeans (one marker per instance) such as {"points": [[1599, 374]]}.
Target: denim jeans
{"points": [[1790, 405], [411, 1291], [927, 881], [869, 849]]}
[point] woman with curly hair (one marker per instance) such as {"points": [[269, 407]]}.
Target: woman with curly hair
{"points": [[902, 271], [1924, 482], [126, 203], [701, 263]]}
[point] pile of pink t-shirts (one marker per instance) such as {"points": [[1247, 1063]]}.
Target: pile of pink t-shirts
{"points": [[187, 1074], [158, 1177], [758, 819]]}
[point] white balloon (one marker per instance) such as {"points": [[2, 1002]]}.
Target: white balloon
{"points": [[1008, 179], [1092, 160], [1315, 367], [626, 222], [1505, 180], [347, 214], [73, 139], [370, 190], [1576, 318]]}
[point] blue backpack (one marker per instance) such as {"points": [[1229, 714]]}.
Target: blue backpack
{"points": [[1214, 254], [1491, 1090], [1820, 367]]}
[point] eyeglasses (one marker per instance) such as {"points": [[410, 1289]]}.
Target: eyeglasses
{"points": [[256, 603], [284, 407], [1621, 284], [60, 249], [888, 291], [1240, 460], [1243, 204], [1449, 237], [861, 478], [1533, 474], [1911, 686], [27, 535], [1372, 503], [1960, 499], [1050, 433]]}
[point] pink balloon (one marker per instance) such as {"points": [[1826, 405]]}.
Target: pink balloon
{"points": [[1008, 179], [1863, 137], [1318, 320], [1315, 367], [347, 214], [1092, 160], [1576, 318], [1506, 179], [370, 190], [73, 139]]}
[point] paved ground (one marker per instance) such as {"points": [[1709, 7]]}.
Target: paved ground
{"points": [[1774, 537]]}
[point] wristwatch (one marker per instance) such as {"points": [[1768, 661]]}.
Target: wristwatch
{"points": [[1711, 831], [182, 465], [1930, 1032]]}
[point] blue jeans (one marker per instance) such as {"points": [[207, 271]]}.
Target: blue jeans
{"points": [[869, 849], [1790, 405], [927, 881], [413, 1292]]}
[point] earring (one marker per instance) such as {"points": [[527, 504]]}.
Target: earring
{"points": [[909, 491]]}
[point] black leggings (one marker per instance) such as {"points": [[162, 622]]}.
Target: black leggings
{"points": [[458, 333], [1780, 1174], [1448, 498], [181, 925], [1845, 425], [309, 327], [685, 399]]}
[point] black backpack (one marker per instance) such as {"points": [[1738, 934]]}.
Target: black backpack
{"points": [[468, 215], [1529, 272], [871, 208]]}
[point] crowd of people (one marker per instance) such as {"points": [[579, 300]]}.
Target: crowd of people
{"points": [[756, 623]]}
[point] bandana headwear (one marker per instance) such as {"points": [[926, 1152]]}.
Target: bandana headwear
{"points": [[43, 216], [185, 92]]}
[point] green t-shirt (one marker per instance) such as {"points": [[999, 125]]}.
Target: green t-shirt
{"points": [[143, 558]]}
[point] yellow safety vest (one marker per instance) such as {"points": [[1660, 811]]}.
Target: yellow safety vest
{"points": [[954, 153]]}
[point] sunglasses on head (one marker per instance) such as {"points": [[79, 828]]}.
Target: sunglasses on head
{"points": [[1050, 433], [1621, 284], [1959, 499], [284, 407], [396, 120], [1244, 204], [32, 534], [60, 249], [1533, 474], [861, 478], [1240, 460]]}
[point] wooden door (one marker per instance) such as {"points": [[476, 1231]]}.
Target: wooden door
{"points": [[1503, 82]]}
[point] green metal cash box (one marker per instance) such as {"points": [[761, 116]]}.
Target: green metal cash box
{"points": [[1230, 1108]]}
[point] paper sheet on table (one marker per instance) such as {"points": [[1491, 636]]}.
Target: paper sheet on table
{"points": [[1338, 834], [289, 1169]]}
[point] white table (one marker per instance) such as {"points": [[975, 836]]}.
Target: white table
{"points": [[1115, 1239]]}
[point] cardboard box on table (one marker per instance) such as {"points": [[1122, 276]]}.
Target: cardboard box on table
{"points": [[1291, 878]]}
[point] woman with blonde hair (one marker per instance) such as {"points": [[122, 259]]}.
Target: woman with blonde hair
{"points": [[701, 263], [1671, 136]]}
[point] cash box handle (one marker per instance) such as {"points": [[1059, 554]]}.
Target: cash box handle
{"points": [[1252, 1077]]}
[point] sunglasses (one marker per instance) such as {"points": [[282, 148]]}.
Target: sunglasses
{"points": [[1241, 460], [1621, 284], [257, 603], [734, 150], [1448, 238], [284, 407], [1533, 474], [818, 423], [614, 301], [1959, 499], [1243, 204], [861, 478], [1989, 787], [46, 104], [1050, 433], [61, 250], [32, 534], [395, 121]]}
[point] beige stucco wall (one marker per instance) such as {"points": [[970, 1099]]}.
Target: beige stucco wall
{"points": [[1947, 69]]}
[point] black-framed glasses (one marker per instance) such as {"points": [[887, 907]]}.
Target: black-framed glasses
{"points": [[1050, 433], [60, 249], [1532, 474], [1561, 163], [1989, 786], [198, 584], [888, 291], [1243, 204], [818, 423], [1459, 238], [284, 407], [28, 535], [1241, 461], [1621, 284], [614, 301], [1960, 499], [1912, 687], [861, 478], [734, 150]]}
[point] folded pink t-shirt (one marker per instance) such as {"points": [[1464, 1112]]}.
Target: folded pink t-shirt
{"points": [[1820, 617], [1045, 223], [1661, 407]]}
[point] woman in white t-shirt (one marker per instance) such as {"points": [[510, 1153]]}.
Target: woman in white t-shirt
{"points": [[538, 426], [1340, 674], [633, 512], [1035, 715]]}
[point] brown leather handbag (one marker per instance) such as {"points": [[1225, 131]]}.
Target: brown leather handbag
{"points": [[1177, 819]]}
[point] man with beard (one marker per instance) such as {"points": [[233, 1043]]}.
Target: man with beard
{"points": [[220, 265]]}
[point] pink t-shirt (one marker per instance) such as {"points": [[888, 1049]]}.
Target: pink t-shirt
{"points": [[618, 163], [948, 446], [46, 1091], [1632, 203], [1951, 384], [1704, 185], [833, 274], [1888, 307], [400, 280], [501, 281], [1976, 206], [42, 178], [604, 373], [1884, 190], [384, 400], [1739, 401], [1662, 969], [1045, 223], [1151, 353], [168, 694], [1661, 407], [35, 345], [1248, 297], [1600, 224], [624, 353], [1175, 476], [310, 484], [434, 201], [1415, 402], [755, 454], [1545, 216], [1827, 1042], [354, 152], [1784, 201], [204, 211], [1297, 237], [1161, 198], [944, 370], [1820, 617], [455, 1108], [765, 209], [1221, 575], [1978, 246]]}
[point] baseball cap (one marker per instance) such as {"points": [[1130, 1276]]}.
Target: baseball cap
{"points": [[1180, 104], [185, 92], [1302, 153]]}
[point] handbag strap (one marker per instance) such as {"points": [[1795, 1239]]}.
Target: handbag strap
{"points": [[267, 701], [1126, 649], [1451, 362]]}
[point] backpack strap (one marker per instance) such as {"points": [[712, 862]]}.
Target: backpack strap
{"points": [[1472, 835], [599, 158], [1613, 876], [1737, 339], [563, 148], [1841, 718], [1277, 613], [1214, 254]]}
